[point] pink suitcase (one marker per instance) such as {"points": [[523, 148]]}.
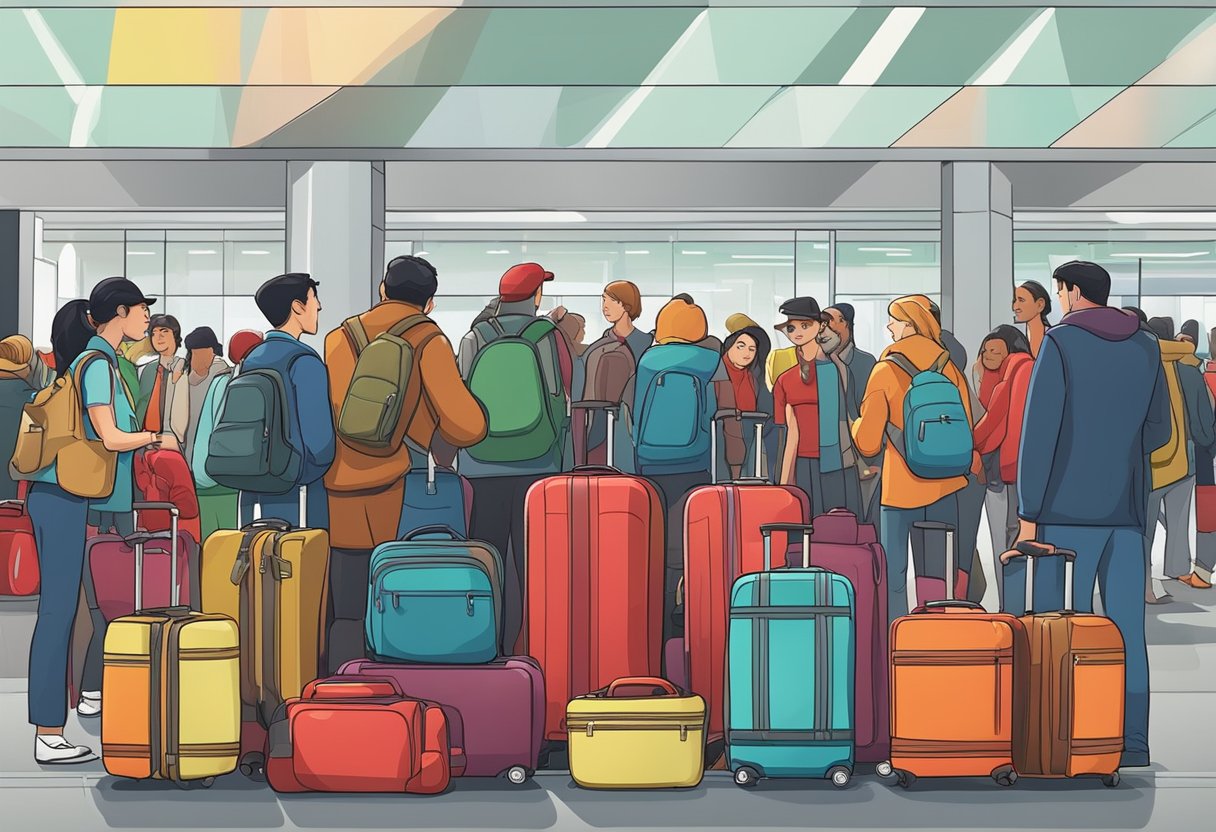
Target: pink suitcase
{"points": [[110, 559], [501, 705]]}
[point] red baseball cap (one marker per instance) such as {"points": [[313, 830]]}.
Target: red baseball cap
{"points": [[521, 282]]}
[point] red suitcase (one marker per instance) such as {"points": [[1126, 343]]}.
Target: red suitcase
{"points": [[722, 541], [840, 544], [594, 543], [19, 574], [350, 734], [501, 704]]}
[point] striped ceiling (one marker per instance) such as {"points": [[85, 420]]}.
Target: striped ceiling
{"points": [[784, 76]]}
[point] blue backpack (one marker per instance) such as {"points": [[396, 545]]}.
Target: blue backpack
{"points": [[674, 404], [936, 441]]}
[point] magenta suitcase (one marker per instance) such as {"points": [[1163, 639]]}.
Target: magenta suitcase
{"points": [[840, 544], [502, 706], [110, 559]]}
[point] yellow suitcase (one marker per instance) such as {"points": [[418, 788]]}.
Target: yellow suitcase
{"points": [[655, 740], [170, 682], [273, 579]]}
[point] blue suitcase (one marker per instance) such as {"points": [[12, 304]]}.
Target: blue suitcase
{"points": [[434, 598], [434, 497], [790, 666]]}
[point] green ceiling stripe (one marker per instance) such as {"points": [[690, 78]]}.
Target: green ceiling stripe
{"points": [[360, 117], [834, 60], [948, 46]]}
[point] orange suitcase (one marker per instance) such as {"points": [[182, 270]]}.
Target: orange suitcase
{"points": [[1068, 706], [953, 667]]}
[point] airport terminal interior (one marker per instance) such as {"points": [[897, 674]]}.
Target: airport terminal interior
{"points": [[742, 153]]}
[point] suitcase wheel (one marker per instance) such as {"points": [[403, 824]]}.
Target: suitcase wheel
{"points": [[1110, 780], [840, 776], [884, 769], [187, 785], [1005, 776], [515, 775], [747, 777], [904, 779], [253, 766]]}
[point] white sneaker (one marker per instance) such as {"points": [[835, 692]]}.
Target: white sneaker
{"points": [[53, 749], [90, 703]]}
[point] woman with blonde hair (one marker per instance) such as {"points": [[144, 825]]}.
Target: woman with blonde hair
{"points": [[907, 498]]}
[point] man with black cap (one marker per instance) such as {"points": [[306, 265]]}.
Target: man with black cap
{"points": [[837, 341], [206, 365], [810, 400]]}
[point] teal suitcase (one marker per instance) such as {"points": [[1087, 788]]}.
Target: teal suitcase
{"points": [[790, 666], [434, 598]]}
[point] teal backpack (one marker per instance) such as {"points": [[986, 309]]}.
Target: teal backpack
{"points": [[936, 441], [526, 416], [251, 447]]}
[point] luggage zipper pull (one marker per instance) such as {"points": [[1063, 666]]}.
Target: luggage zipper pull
{"points": [[683, 733], [379, 604], [469, 604], [396, 601], [590, 729]]}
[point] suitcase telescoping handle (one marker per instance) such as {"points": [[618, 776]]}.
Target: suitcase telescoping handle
{"points": [[642, 682], [951, 563], [766, 532], [743, 416], [137, 542], [257, 513], [1032, 551], [610, 408], [437, 530]]}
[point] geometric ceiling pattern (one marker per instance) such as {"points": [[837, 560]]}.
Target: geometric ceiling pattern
{"points": [[631, 76]]}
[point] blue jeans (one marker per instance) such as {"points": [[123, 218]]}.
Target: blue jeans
{"points": [[59, 520], [1112, 559], [895, 534], [287, 506]]}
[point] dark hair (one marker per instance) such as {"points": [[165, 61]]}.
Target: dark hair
{"points": [[1162, 327], [1212, 343], [203, 338], [763, 347], [170, 323], [687, 298], [1090, 278], [935, 311], [1138, 312], [1038, 292], [72, 328], [410, 279], [1191, 328], [1015, 340], [275, 296]]}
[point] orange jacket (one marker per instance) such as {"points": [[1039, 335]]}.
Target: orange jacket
{"points": [[445, 404], [884, 402]]}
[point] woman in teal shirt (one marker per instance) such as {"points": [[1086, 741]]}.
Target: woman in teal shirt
{"points": [[83, 331]]}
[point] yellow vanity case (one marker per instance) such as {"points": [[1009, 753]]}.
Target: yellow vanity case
{"points": [[638, 733]]}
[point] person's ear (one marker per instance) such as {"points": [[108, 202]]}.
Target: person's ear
{"points": [[298, 307], [383, 293], [540, 293], [430, 307]]}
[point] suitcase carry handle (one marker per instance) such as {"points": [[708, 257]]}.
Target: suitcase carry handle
{"points": [[642, 682], [18, 505], [1032, 551], [612, 409], [940, 605], [766, 533], [742, 416], [951, 550], [272, 523], [370, 686], [434, 529], [137, 542]]}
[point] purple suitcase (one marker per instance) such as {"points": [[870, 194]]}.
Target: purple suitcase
{"points": [[502, 705]]}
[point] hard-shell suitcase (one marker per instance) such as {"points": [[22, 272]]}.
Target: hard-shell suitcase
{"points": [[434, 597], [19, 574], [436, 497], [171, 683], [354, 734], [722, 541], [110, 559], [1068, 707], [594, 543], [842, 545], [790, 666], [655, 740], [273, 580], [953, 667], [501, 705]]}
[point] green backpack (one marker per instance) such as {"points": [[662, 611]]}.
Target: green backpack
{"points": [[526, 417], [375, 400]]}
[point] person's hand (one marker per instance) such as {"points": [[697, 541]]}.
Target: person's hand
{"points": [[1027, 531], [168, 442]]}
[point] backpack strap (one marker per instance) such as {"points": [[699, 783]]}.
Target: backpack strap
{"points": [[537, 330], [901, 361], [405, 325], [357, 333], [942, 360]]}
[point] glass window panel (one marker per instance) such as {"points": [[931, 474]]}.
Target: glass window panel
{"points": [[251, 263], [82, 266], [870, 320], [724, 278], [194, 236], [146, 266], [1184, 275], [397, 248], [870, 275], [194, 268], [193, 312], [241, 313], [811, 277]]}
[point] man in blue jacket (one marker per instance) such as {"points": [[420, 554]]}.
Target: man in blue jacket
{"points": [[1098, 406], [291, 306]]}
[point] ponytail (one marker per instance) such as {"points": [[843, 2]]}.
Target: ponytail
{"points": [[70, 334]]}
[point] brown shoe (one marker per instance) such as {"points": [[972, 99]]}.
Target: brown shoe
{"points": [[1194, 581]]}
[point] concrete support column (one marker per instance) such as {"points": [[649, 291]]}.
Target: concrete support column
{"points": [[335, 232], [20, 241], [977, 251]]}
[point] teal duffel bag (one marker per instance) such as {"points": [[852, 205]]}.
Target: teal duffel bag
{"points": [[436, 598]]}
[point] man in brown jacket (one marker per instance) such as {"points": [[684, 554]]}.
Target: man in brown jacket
{"points": [[366, 491]]}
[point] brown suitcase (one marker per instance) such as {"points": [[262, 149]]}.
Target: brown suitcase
{"points": [[1068, 707]]}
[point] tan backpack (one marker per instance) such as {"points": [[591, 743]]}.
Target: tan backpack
{"points": [[52, 430]]}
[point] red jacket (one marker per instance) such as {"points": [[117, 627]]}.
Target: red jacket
{"points": [[164, 477], [1001, 427]]}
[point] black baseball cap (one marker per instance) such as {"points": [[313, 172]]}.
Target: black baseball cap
{"points": [[799, 309], [117, 291]]}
